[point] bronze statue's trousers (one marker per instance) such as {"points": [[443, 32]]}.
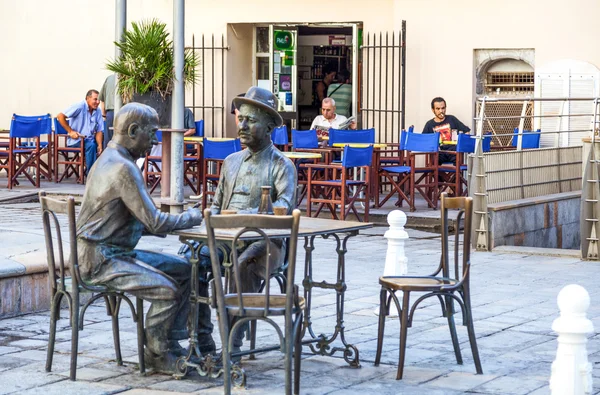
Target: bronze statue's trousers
{"points": [[163, 280]]}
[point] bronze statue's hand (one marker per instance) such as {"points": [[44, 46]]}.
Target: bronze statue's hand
{"points": [[196, 215]]}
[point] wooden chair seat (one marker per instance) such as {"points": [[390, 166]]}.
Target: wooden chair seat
{"points": [[416, 283], [254, 304]]}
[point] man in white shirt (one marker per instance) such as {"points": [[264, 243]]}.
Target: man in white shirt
{"points": [[329, 119]]}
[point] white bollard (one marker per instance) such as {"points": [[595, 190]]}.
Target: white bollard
{"points": [[395, 260], [571, 371]]}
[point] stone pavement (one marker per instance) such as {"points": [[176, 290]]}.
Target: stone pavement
{"points": [[514, 304]]}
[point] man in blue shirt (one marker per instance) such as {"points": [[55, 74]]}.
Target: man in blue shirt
{"points": [[85, 124]]}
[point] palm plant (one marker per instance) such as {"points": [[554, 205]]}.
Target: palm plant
{"points": [[146, 61]]}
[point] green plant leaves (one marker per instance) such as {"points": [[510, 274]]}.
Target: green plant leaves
{"points": [[146, 62]]}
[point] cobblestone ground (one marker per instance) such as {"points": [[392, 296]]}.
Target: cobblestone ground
{"points": [[514, 304]]}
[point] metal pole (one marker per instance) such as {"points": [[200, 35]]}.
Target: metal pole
{"points": [[177, 110], [120, 26]]}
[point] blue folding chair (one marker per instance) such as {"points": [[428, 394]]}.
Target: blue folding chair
{"points": [[339, 136], [530, 140], [403, 178], [341, 187], [25, 148], [72, 158], [393, 156], [304, 139], [199, 128], [280, 139], [215, 151]]}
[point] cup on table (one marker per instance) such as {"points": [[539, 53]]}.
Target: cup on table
{"points": [[278, 210], [228, 212]]}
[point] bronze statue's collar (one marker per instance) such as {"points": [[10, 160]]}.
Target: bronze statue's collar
{"points": [[250, 153], [122, 150]]}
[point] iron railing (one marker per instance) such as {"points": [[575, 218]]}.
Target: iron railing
{"points": [[383, 84]]}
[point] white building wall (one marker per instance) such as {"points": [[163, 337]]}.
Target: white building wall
{"points": [[53, 52]]}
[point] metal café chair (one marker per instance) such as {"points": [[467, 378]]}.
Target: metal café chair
{"points": [[239, 307], [450, 282], [72, 158], [70, 287]]}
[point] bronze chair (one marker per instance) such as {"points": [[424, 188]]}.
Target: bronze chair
{"points": [[245, 307], [70, 287], [448, 287]]}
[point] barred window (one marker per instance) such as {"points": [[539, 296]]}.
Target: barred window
{"points": [[508, 83]]}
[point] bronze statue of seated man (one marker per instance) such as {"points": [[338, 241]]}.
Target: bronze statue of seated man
{"points": [[242, 176], [116, 210]]}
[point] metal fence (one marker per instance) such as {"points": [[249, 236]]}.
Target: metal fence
{"points": [[208, 95], [382, 73], [515, 173]]}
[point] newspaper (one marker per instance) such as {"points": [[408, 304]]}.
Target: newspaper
{"points": [[324, 130]]}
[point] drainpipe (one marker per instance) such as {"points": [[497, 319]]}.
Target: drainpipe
{"points": [[177, 111], [120, 25]]}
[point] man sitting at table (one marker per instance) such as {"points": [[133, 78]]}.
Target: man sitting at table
{"points": [[329, 119], [115, 211], [242, 175], [444, 124]]}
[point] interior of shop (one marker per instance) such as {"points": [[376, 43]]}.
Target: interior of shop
{"points": [[319, 49]]}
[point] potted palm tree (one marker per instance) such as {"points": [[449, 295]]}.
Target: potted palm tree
{"points": [[145, 67]]}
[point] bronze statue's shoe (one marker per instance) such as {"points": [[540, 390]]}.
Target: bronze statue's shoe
{"points": [[206, 344], [162, 363]]}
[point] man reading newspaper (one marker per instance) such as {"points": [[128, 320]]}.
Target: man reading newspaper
{"points": [[330, 119]]}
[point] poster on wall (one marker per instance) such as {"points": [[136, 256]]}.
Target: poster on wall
{"points": [[285, 82]]}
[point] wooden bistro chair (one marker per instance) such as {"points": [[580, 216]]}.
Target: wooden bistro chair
{"points": [[72, 158], [70, 285], [408, 179], [215, 152], [452, 175], [341, 186], [245, 307], [153, 167], [450, 282], [25, 148]]}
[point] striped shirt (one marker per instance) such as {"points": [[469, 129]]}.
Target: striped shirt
{"points": [[342, 97]]}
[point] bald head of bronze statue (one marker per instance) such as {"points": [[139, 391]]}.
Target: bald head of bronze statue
{"points": [[135, 127]]}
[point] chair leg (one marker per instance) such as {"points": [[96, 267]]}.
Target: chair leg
{"points": [[54, 306], [403, 333], [452, 327], [381, 327], [471, 332], [139, 310], [297, 354], [289, 348], [252, 339], [74, 335], [115, 303]]}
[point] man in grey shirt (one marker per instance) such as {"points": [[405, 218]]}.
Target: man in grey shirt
{"points": [[107, 104], [116, 210]]}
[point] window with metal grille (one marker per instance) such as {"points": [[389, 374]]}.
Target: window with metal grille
{"points": [[508, 83]]}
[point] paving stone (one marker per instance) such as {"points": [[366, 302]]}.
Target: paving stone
{"points": [[91, 374], [510, 385], [460, 380], [8, 350], [29, 343], [145, 391], [187, 385], [17, 380], [68, 387]]}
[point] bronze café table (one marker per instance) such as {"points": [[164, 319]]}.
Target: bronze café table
{"points": [[310, 228]]}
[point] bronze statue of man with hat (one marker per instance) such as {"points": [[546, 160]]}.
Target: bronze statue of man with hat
{"points": [[242, 176]]}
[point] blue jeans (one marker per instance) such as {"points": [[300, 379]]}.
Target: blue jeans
{"points": [[91, 153]]}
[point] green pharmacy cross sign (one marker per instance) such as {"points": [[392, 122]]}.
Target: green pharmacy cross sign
{"points": [[283, 40]]}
